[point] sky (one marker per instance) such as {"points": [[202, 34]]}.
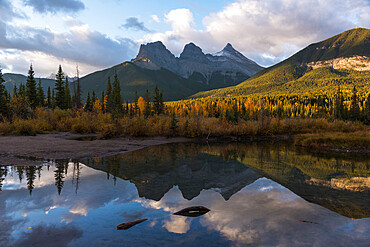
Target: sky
{"points": [[95, 34]]}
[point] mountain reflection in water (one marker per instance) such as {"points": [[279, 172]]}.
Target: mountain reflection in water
{"points": [[259, 194]]}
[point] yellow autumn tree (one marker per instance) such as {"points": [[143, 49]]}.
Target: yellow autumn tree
{"points": [[141, 104]]}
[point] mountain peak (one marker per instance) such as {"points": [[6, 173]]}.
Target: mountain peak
{"points": [[228, 47], [191, 51]]}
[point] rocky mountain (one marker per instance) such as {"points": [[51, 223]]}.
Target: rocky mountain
{"points": [[224, 68], [155, 65], [343, 59], [155, 170]]}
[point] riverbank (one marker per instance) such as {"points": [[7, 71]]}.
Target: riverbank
{"points": [[355, 142], [17, 150]]}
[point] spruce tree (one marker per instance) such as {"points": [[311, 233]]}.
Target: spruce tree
{"points": [[117, 98], [31, 92], [108, 100], [60, 89], [77, 93], [339, 107], [15, 90], [161, 104], [136, 106], [367, 109], [67, 95], [3, 96], [40, 95], [53, 99], [102, 101], [355, 110], [147, 109], [88, 105], [48, 99], [157, 101], [93, 98]]}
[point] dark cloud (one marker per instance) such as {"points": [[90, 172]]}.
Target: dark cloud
{"points": [[53, 6], [80, 44], [135, 24], [59, 236]]}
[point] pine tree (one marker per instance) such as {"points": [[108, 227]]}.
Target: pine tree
{"points": [[88, 105], [108, 100], [77, 93], [367, 108], [355, 110], [147, 109], [136, 107], [40, 95], [67, 95], [53, 99], [31, 92], [339, 107], [15, 90], [30, 176], [157, 101], [174, 122], [3, 93], [117, 98], [161, 104], [48, 99], [22, 90], [102, 101], [60, 89], [59, 176], [93, 98]]}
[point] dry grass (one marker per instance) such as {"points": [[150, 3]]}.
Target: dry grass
{"points": [[358, 140], [46, 121]]}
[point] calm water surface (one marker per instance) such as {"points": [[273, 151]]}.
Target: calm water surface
{"points": [[259, 195]]}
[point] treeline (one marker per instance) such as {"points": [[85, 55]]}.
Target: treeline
{"points": [[31, 174], [27, 111], [347, 105], [23, 101]]}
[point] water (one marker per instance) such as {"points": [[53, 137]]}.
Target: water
{"points": [[259, 195]]}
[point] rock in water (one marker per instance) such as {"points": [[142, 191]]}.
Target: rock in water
{"points": [[193, 211], [128, 225]]}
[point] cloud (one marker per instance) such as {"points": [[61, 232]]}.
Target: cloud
{"points": [[180, 19], [54, 6], [266, 31], [78, 45], [58, 235], [135, 24], [156, 18]]}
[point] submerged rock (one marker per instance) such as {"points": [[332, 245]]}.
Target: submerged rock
{"points": [[128, 225]]}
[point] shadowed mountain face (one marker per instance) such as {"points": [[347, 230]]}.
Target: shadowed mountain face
{"points": [[340, 184], [225, 68], [16, 79]]}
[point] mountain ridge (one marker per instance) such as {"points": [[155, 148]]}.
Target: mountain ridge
{"points": [[310, 69], [194, 64]]}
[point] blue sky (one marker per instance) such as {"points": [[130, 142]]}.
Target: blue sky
{"points": [[98, 34]]}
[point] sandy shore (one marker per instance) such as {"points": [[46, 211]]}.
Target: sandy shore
{"points": [[60, 146]]}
